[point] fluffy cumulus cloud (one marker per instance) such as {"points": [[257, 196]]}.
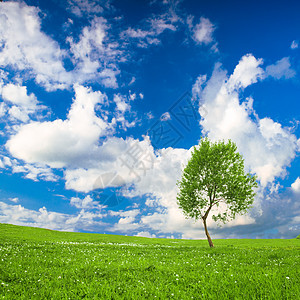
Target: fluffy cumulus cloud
{"points": [[296, 185], [62, 142], [119, 162], [202, 32], [86, 203], [18, 215], [25, 47], [82, 144], [146, 234], [17, 102], [127, 220], [247, 72], [17, 94], [267, 147]]}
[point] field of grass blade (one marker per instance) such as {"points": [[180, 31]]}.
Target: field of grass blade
{"points": [[43, 264]]}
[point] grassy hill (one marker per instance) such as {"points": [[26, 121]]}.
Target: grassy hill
{"points": [[44, 264]]}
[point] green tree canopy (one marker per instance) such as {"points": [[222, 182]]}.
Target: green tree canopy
{"points": [[214, 175]]}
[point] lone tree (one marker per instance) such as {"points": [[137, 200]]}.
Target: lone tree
{"points": [[214, 175]]}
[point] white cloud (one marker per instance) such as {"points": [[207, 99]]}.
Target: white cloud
{"points": [[6, 161], [93, 55], [126, 222], [132, 96], [26, 47], [18, 114], [159, 25], [18, 215], [123, 110], [17, 95], [144, 38], [81, 8], [122, 103], [198, 85], [86, 203], [118, 162], [281, 69], [152, 29], [137, 33], [19, 104], [146, 234], [295, 44], [126, 214], [202, 33], [296, 185], [159, 184], [267, 147], [75, 144], [60, 143], [34, 172], [247, 72], [15, 200]]}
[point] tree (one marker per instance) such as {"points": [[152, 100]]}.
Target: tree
{"points": [[215, 175]]}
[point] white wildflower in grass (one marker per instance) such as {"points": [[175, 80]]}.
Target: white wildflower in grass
{"points": [[287, 277]]}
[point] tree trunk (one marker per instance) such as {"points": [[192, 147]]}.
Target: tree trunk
{"points": [[211, 245]]}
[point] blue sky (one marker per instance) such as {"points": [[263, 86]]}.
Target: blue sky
{"points": [[101, 103]]}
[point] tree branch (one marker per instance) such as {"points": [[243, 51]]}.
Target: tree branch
{"points": [[207, 212], [219, 200]]}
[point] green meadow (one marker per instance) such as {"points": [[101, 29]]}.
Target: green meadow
{"points": [[43, 264]]}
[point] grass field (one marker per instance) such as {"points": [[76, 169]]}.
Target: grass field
{"points": [[42, 264]]}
